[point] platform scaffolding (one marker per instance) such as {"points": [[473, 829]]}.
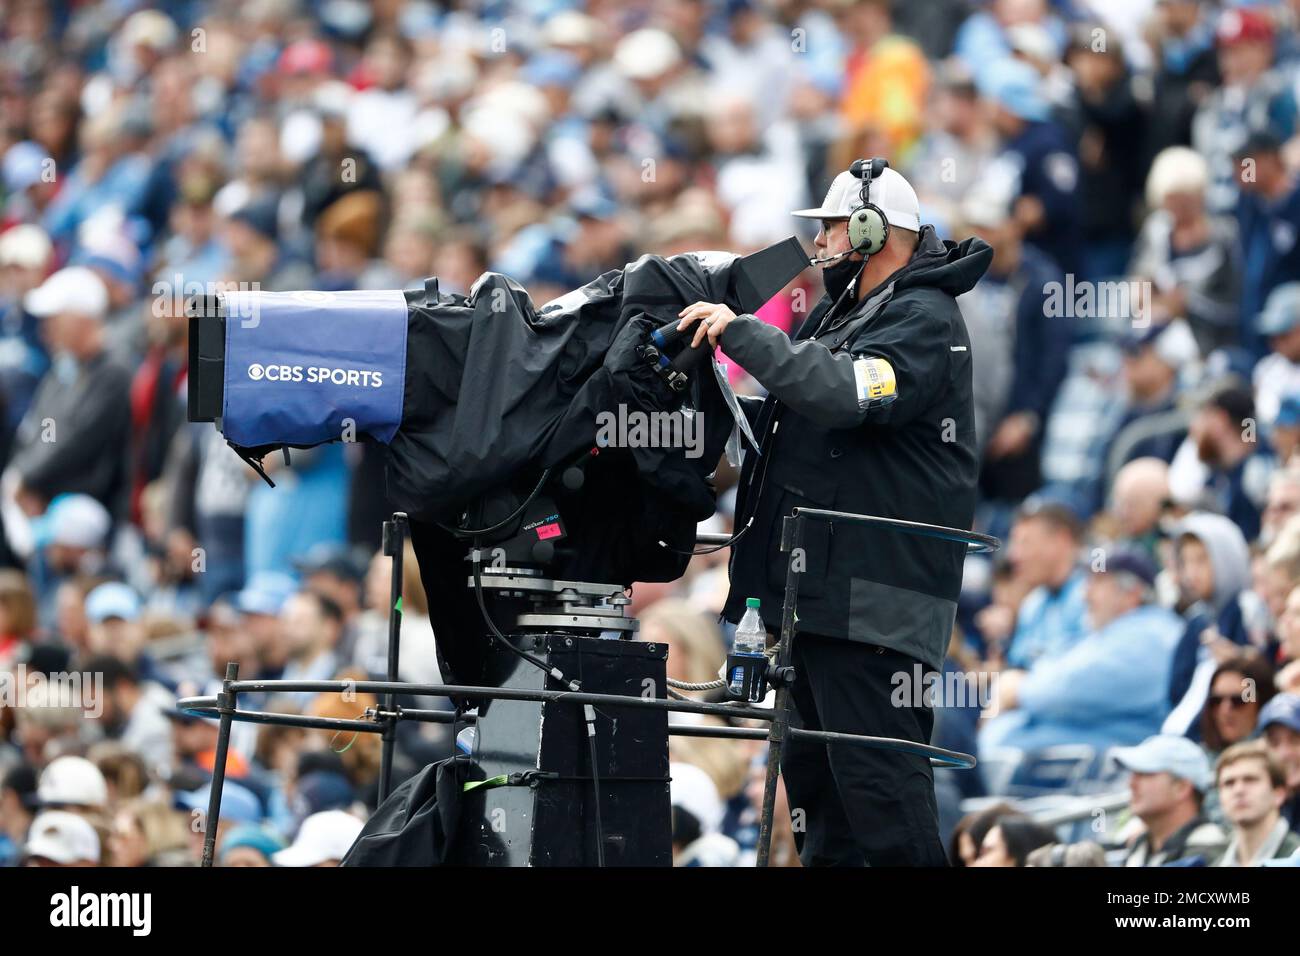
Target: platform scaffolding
{"points": [[384, 719]]}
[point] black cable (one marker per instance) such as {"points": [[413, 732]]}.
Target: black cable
{"points": [[590, 713], [468, 532], [555, 672]]}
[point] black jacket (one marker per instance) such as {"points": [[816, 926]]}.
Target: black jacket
{"points": [[913, 459]]}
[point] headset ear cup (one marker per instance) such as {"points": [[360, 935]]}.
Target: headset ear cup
{"points": [[868, 230]]}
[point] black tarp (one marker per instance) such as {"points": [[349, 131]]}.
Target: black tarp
{"points": [[497, 390]]}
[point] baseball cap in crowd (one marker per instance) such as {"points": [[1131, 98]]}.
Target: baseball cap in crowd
{"points": [[1171, 754], [552, 69], [305, 56], [326, 558], [322, 837], [646, 54], [22, 781], [1283, 709], [1281, 310], [62, 837], [238, 803], [74, 521], [1288, 413], [23, 166], [261, 216], [1134, 562], [113, 599], [1016, 87], [150, 28], [265, 593], [74, 289], [889, 191], [1260, 142], [72, 781], [693, 790], [254, 837], [25, 245], [1173, 341], [1242, 25], [321, 791], [1237, 401]]}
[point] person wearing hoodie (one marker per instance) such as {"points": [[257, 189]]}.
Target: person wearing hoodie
{"points": [[1212, 563], [1108, 689], [869, 410]]}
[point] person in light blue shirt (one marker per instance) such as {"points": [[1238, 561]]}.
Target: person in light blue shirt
{"points": [[1109, 689], [1043, 549]]}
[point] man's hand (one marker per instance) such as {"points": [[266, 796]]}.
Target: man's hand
{"points": [[713, 319], [1012, 436]]}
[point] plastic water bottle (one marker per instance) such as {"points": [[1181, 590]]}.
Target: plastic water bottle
{"points": [[751, 635], [750, 642]]}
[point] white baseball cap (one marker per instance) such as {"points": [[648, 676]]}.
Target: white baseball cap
{"points": [[74, 781], [694, 791], [74, 289], [647, 53], [890, 192], [62, 837], [25, 245], [324, 836], [76, 521]]}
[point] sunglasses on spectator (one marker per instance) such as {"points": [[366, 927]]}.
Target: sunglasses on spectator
{"points": [[1235, 700]]}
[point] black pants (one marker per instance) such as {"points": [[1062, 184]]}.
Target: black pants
{"points": [[853, 805]]}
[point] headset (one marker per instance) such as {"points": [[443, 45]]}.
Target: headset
{"points": [[868, 227]]}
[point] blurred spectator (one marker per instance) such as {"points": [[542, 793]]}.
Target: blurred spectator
{"points": [[1108, 688], [1153, 359], [1252, 788], [1186, 71], [968, 835], [149, 833], [323, 840], [249, 846], [133, 712], [1277, 374], [1010, 841], [1212, 564], [1043, 550], [1239, 688], [61, 839], [78, 421], [885, 75], [1019, 349], [1268, 220], [1138, 499], [1191, 259], [954, 149], [697, 817], [313, 625], [1110, 168], [1037, 163], [1224, 462], [1279, 722], [1169, 778], [18, 807], [1067, 854], [1253, 99]]}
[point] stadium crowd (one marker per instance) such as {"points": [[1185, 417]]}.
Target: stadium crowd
{"points": [[1137, 376]]}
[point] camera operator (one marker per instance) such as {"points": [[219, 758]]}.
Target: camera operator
{"points": [[869, 410]]}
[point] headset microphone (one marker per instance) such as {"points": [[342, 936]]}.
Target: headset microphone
{"points": [[825, 259]]}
